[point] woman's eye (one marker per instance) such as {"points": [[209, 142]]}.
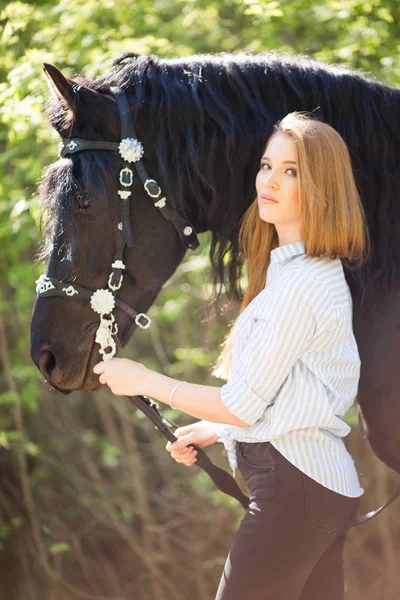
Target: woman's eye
{"points": [[262, 165]]}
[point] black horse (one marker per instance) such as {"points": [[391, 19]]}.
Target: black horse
{"points": [[203, 122]]}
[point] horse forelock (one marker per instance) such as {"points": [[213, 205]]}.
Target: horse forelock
{"points": [[61, 185]]}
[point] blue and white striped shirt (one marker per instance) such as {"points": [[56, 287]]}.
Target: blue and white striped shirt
{"points": [[295, 368]]}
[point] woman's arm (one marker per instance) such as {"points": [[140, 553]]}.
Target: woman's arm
{"points": [[200, 401], [129, 378]]}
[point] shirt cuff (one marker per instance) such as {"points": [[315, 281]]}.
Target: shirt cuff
{"points": [[242, 401], [226, 436], [222, 430]]}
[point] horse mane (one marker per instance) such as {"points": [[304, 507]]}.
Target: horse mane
{"points": [[229, 103]]}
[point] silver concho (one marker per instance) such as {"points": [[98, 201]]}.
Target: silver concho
{"points": [[102, 302], [187, 231], [130, 149]]}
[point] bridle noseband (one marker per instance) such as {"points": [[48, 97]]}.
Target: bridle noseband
{"points": [[104, 301]]}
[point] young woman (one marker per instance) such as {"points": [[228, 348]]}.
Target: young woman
{"points": [[293, 368]]}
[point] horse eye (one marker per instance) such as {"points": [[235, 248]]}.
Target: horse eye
{"points": [[82, 202]]}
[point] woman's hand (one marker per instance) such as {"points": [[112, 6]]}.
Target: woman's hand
{"points": [[202, 434], [124, 377]]}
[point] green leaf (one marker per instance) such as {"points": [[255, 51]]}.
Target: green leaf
{"points": [[59, 547]]}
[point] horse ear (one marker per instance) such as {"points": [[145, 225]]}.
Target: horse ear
{"points": [[89, 106], [60, 84]]}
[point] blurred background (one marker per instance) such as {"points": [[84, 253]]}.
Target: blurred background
{"points": [[91, 504]]}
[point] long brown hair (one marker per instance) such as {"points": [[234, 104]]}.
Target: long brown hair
{"points": [[332, 216]]}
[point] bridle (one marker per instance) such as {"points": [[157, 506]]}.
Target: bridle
{"points": [[104, 301]]}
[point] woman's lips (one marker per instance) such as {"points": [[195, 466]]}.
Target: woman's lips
{"points": [[265, 200]]}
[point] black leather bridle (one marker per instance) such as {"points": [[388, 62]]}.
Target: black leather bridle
{"points": [[104, 301]]}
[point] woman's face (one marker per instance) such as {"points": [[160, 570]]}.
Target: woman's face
{"points": [[278, 178]]}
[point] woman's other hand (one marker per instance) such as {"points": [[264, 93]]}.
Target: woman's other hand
{"points": [[202, 434]]}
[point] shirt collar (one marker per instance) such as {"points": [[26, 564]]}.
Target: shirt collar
{"points": [[281, 253]]}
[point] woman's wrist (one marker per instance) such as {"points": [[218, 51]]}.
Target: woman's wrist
{"points": [[159, 387], [145, 382], [200, 401]]}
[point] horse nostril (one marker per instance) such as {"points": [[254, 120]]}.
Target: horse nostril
{"points": [[47, 363]]}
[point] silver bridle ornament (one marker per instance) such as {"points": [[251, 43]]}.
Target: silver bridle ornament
{"points": [[102, 302], [130, 149], [43, 285]]}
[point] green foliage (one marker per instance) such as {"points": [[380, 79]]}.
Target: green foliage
{"points": [[85, 38], [59, 547]]}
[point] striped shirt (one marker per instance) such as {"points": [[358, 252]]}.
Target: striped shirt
{"points": [[295, 368]]}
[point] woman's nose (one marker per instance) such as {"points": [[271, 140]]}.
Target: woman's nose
{"points": [[270, 183], [269, 179]]}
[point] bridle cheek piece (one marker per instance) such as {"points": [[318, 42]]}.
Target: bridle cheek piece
{"points": [[104, 301]]}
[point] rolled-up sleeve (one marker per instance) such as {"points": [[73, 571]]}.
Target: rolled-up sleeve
{"points": [[277, 340]]}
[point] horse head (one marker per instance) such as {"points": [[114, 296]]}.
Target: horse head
{"points": [[102, 231]]}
